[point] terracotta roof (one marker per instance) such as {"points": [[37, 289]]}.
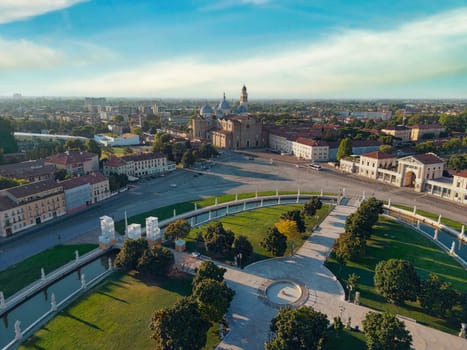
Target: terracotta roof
{"points": [[397, 127], [378, 155], [26, 169], [461, 174], [33, 188], [428, 158], [70, 157], [114, 162], [309, 142], [96, 178], [74, 182]]}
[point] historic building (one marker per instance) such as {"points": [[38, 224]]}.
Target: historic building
{"points": [[24, 206], [75, 162], [138, 165], [226, 127], [32, 171], [422, 172]]}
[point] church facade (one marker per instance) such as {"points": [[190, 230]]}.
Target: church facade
{"points": [[229, 128]]}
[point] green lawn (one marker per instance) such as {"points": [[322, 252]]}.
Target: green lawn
{"points": [[392, 240], [347, 339], [448, 222], [24, 273], [167, 212], [113, 315], [242, 224]]}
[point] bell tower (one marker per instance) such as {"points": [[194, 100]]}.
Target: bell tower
{"points": [[244, 96]]}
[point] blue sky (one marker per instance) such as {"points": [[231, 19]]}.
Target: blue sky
{"points": [[200, 48]]}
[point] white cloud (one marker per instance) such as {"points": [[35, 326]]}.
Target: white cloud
{"points": [[344, 62], [23, 54], [14, 10], [225, 4]]}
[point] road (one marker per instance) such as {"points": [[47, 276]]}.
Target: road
{"points": [[230, 173]]}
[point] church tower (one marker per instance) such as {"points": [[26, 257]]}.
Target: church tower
{"points": [[244, 96]]}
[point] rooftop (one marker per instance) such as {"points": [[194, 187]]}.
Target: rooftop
{"points": [[33, 188], [70, 157], [428, 158], [378, 155]]}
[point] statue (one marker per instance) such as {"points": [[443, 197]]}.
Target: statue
{"points": [[18, 333]]}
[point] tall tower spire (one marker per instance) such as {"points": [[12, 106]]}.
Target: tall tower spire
{"points": [[244, 96]]}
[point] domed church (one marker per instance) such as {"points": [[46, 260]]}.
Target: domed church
{"points": [[228, 128]]}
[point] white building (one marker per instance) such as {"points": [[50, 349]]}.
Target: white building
{"points": [[139, 165], [317, 151], [459, 188], [123, 140]]}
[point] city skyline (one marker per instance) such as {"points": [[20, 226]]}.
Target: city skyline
{"points": [[198, 49]]}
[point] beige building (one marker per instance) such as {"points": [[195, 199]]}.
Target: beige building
{"points": [[371, 163], [459, 187], [419, 131], [139, 165], [422, 172], [399, 131], [75, 162], [29, 205], [317, 151]]}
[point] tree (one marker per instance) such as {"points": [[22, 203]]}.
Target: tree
{"points": [[207, 150], [188, 159], [386, 148], [7, 182], [274, 242], [180, 327], [297, 216], [425, 147], [437, 296], [208, 270], [128, 256], [397, 280], [295, 329], [177, 229], [243, 246], [288, 228], [458, 162], [214, 298], [156, 261], [75, 145], [452, 145], [312, 206], [348, 247], [60, 174], [344, 149], [7, 139], [218, 240], [93, 147], [385, 331]]}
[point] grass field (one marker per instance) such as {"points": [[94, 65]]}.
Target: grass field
{"points": [[166, 212], [24, 273], [353, 340], [113, 315], [392, 240], [242, 224]]}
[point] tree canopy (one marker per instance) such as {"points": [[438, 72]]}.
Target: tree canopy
{"points": [[344, 149], [296, 329], [214, 298], [310, 207], [218, 240], [156, 261], [297, 216], [274, 242], [177, 229], [128, 256], [180, 327], [385, 331], [397, 280], [209, 270]]}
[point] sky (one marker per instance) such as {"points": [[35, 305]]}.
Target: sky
{"points": [[304, 49]]}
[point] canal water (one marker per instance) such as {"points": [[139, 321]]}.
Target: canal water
{"points": [[37, 305], [443, 237]]}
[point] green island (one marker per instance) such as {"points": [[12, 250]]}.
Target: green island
{"points": [[393, 240]]}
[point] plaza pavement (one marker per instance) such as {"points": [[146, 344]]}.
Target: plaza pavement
{"points": [[249, 317]]}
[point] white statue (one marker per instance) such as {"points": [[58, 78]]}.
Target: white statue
{"points": [[18, 333]]}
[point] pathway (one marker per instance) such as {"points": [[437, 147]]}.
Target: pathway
{"points": [[249, 317]]}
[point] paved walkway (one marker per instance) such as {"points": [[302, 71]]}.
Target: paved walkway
{"points": [[249, 317]]}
